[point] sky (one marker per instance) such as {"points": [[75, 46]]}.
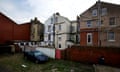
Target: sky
{"points": [[22, 11]]}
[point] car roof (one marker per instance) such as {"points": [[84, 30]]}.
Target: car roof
{"points": [[36, 51]]}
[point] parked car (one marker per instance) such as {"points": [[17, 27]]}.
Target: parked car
{"points": [[36, 56]]}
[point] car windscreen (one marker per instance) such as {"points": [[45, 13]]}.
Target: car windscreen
{"points": [[38, 53]]}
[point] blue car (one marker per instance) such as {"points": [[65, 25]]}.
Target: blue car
{"points": [[36, 56]]}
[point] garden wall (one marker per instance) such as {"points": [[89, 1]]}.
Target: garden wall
{"points": [[48, 51], [88, 54]]}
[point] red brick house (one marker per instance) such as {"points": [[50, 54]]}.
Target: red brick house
{"points": [[9, 30], [100, 25]]}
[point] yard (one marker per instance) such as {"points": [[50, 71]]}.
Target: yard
{"points": [[13, 63]]}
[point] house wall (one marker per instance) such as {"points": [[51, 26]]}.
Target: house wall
{"points": [[46, 32], [84, 29], [112, 11], [34, 34], [62, 41], [74, 24], [74, 32], [83, 35], [63, 32], [37, 30], [106, 42]]}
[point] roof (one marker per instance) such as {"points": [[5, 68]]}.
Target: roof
{"points": [[102, 3], [11, 19], [7, 17]]}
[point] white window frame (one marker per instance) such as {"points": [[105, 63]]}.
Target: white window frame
{"points": [[49, 28], [60, 26], [114, 21], [59, 38], [89, 24], [94, 12], [110, 40], [49, 37], [51, 20], [56, 19], [104, 11], [89, 34]]}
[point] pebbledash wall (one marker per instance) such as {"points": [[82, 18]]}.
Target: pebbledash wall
{"points": [[9, 30]]}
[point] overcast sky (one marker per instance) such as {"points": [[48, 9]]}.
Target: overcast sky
{"points": [[22, 11]]}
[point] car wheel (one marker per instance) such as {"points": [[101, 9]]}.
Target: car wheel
{"points": [[36, 61], [25, 57]]}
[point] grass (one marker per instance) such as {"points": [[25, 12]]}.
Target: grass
{"points": [[13, 63]]}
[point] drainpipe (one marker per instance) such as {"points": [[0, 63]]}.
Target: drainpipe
{"points": [[54, 30], [99, 23]]}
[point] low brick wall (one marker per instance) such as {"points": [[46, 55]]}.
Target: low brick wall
{"points": [[88, 54]]}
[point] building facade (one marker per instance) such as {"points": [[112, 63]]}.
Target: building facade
{"points": [[60, 32], [49, 32], [37, 30], [100, 25]]}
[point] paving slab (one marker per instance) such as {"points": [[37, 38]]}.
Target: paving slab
{"points": [[102, 68]]}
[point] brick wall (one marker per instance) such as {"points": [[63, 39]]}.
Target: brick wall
{"points": [[92, 54], [83, 36]]}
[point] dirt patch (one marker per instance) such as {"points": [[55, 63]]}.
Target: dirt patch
{"points": [[4, 69]]}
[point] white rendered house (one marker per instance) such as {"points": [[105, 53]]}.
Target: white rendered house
{"points": [[58, 31]]}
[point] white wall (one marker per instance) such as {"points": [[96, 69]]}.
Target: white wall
{"points": [[50, 52], [65, 29], [48, 23]]}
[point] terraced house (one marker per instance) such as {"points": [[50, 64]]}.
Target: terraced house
{"points": [[65, 32], [37, 30], [60, 32], [100, 25]]}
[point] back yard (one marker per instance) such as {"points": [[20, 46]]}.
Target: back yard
{"points": [[13, 63]]}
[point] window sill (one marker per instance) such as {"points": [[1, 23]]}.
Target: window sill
{"points": [[113, 25], [111, 40], [89, 44]]}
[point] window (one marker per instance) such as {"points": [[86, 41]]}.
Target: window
{"points": [[56, 19], [72, 29], [51, 20], [49, 37], [59, 45], [101, 23], [49, 28], [77, 38], [59, 38], [104, 11], [89, 23], [89, 38], [45, 35], [111, 36], [112, 21], [59, 27], [94, 12]]}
